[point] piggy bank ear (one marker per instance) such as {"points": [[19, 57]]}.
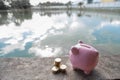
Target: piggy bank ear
{"points": [[80, 41], [75, 50]]}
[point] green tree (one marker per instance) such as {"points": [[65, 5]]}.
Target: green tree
{"points": [[69, 4], [2, 5], [80, 4], [21, 4]]}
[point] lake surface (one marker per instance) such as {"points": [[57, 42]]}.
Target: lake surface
{"points": [[52, 33]]}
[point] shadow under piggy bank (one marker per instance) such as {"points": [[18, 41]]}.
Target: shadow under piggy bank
{"points": [[94, 75]]}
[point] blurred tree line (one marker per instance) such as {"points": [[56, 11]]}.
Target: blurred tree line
{"points": [[18, 4], [69, 4], [48, 3]]}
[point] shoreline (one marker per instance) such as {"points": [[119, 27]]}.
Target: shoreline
{"points": [[106, 10], [72, 8]]}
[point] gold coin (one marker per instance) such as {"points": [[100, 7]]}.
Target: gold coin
{"points": [[63, 68], [55, 69], [58, 60]]}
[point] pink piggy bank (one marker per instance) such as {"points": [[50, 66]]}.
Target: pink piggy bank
{"points": [[84, 57]]}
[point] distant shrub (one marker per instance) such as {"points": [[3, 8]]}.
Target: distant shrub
{"points": [[16, 4], [2, 5]]}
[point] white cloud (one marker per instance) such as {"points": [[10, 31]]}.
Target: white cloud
{"points": [[105, 24], [12, 41], [11, 48], [47, 52], [115, 22]]}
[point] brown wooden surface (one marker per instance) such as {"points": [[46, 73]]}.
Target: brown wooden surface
{"points": [[40, 69]]}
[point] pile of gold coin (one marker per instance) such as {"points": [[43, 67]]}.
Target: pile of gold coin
{"points": [[58, 67]]}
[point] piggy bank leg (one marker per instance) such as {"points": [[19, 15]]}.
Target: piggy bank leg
{"points": [[87, 72]]}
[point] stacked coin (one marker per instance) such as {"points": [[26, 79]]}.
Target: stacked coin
{"points": [[57, 62], [63, 68], [58, 66], [55, 69]]}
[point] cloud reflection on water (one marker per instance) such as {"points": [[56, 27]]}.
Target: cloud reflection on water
{"points": [[58, 33]]}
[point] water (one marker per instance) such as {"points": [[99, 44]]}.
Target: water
{"points": [[52, 33]]}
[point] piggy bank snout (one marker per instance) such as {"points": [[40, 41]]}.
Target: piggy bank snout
{"points": [[75, 50]]}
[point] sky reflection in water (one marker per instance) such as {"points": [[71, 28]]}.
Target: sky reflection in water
{"points": [[52, 33]]}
